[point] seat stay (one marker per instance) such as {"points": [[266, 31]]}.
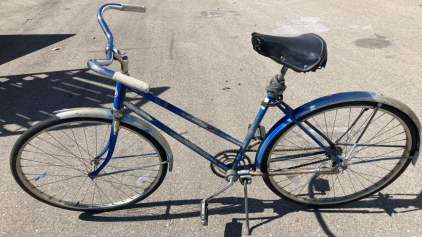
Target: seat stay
{"points": [[353, 124], [333, 156], [364, 130], [319, 133]]}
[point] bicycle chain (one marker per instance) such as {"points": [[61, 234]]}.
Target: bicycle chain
{"points": [[277, 150], [306, 164], [311, 163]]}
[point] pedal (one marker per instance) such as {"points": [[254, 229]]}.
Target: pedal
{"points": [[232, 177], [204, 213]]}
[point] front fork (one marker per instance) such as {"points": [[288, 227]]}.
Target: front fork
{"points": [[119, 97], [114, 131], [109, 147]]}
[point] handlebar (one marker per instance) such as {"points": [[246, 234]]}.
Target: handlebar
{"points": [[112, 53], [133, 8]]}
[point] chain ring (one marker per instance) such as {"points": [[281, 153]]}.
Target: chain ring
{"points": [[227, 157]]}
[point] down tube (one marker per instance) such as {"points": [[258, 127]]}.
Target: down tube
{"points": [[248, 138], [166, 105], [174, 134]]}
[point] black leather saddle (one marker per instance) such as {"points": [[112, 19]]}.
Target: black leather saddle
{"points": [[303, 53]]}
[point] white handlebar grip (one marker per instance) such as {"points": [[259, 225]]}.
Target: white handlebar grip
{"points": [[133, 8], [131, 82]]}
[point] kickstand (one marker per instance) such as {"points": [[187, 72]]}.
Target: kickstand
{"points": [[245, 183]]}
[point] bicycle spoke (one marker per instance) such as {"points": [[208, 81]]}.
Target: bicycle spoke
{"points": [[70, 166], [54, 146], [47, 163], [44, 153], [80, 158], [77, 144], [361, 175], [80, 188], [73, 177], [376, 144], [294, 143], [86, 143], [334, 125], [53, 163], [115, 188], [319, 126], [96, 142], [326, 126], [98, 187]]}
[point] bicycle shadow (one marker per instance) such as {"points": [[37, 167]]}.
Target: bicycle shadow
{"points": [[16, 46], [33, 97], [176, 209]]}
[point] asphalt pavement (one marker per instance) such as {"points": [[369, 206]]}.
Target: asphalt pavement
{"points": [[191, 52]]}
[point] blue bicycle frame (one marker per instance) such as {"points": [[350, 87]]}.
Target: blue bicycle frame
{"points": [[113, 54], [119, 103]]}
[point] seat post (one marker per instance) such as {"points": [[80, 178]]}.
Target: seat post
{"points": [[280, 76], [276, 87]]}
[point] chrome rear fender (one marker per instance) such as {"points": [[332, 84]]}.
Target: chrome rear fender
{"points": [[331, 100]]}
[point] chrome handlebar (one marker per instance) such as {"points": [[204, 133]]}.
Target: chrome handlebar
{"points": [[111, 52], [115, 6]]}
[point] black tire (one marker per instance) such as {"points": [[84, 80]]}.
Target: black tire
{"points": [[391, 131], [52, 159]]}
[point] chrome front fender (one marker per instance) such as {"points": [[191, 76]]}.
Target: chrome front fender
{"points": [[129, 119], [330, 100]]}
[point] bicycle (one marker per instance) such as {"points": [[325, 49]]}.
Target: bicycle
{"points": [[330, 151]]}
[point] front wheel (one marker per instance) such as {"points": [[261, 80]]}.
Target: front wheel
{"points": [[52, 160], [390, 134]]}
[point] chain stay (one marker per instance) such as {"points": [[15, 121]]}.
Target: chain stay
{"points": [[277, 150]]}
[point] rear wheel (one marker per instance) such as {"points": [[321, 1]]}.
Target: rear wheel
{"points": [[391, 134], [51, 161]]}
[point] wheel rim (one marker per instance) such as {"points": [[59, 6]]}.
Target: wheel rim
{"points": [[56, 153], [358, 180]]}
